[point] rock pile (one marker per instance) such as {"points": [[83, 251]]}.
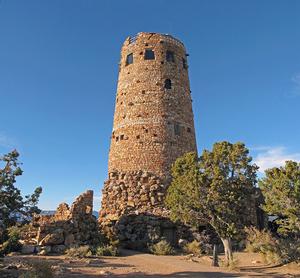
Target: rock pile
{"points": [[67, 227]]}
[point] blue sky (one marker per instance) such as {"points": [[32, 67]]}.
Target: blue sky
{"points": [[58, 76]]}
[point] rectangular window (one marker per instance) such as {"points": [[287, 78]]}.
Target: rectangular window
{"points": [[149, 54], [170, 56], [129, 59], [168, 84], [176, 129], [184, 64]]}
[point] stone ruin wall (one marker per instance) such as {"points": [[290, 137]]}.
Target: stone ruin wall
{"points": [[69, 226]]}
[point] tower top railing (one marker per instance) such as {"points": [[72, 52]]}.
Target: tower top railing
{"points": [[132, 39]]}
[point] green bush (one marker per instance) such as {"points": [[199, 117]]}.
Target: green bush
{"points": [[79, 252], [39, 269], [259, 241], [106, 250], [233, 265], [193, 248], [273, 250], [12, 244], [289, 249], [162, 248]]}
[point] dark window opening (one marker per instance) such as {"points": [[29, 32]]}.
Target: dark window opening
{"points": [[188, 129], [117, 138], [176, 129], [138, 137], [122, 137], [146, 130], [129, 59], [155, 135], [149, 54], [184, 64], [170, 56], [168, 84], [145, 179]]}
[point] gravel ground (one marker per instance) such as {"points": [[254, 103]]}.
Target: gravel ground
{"points": [[133, 264]]}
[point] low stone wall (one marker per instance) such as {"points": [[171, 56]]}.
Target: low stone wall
{"points": [[69, 226], [133, 209], [132, 192]]}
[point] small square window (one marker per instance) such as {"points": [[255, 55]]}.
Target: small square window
{"points": [[176, 129], [188, 130], [170, 56], [122, 137], [129, 59], [149, 54]]}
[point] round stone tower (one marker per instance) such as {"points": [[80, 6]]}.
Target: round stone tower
{"points": [[153, 121], [153, 125]]}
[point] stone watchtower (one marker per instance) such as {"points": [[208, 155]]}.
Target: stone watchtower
{"points": [[153, 124]]}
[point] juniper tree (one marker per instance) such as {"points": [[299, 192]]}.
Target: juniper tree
{"points": [[281, 190], [12, 203], [217, 189]]}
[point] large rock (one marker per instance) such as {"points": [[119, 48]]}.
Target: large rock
{"points": [[58, 249], [69, 239], [28, 249], [55, 238]]}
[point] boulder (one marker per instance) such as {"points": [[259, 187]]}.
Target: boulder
{"points": [[28, 249], [55, 238], [44, 250], [58, 249], [69, 239]]}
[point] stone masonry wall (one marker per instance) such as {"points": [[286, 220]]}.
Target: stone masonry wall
{"points": [[69, 226], [132, 192]]}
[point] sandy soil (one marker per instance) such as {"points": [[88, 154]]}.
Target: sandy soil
{"points": [[133, 264]]}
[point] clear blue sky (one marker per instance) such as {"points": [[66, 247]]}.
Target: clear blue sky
{"points": [[58, 76]]}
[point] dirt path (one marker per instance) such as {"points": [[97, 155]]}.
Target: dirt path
{"points": [[132, 264]]}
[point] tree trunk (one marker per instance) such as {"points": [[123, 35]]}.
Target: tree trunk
{"points": [[228, 250]]}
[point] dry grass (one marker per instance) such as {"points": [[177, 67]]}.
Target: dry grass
{"points": [[162, 248]]}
